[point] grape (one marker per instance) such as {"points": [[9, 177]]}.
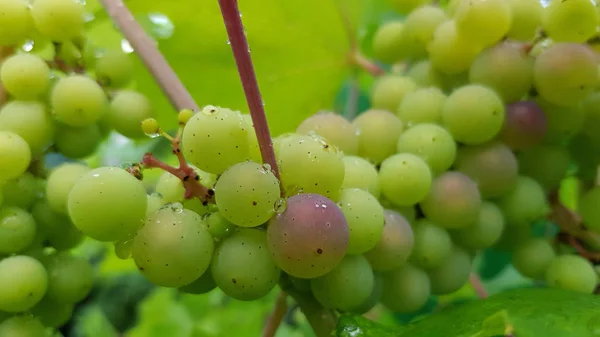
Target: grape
{"points": [[424, 75], [360, 173], [347, 286], [564, 122], [127, 110], [524, 203], [548, 165], [309, 164], [242, 266], [418, 30], [31, 121], [218, 226], [589, 210], [591, 106], [565, 73], [25, 76], [421, 106], [406, 289], [378, 134], [60, 182], [388, 91], [453, 202], [246, 194], [451, 275], [449, 52], [70, 278], [198, 206], [107, 203], [430, 142], [23, 283], [387, 41], [483, 22], [492, 166], [365, 219], [22, 326], [512, 237], [77, 142], [405, 179], [525, 125], [17, 229], [253, 145], [373, 298], [59, 20], [53, 314], [526, 18], [473, 114], [23, 191], [533, 257], [432, 244], [406, 6], [216, 138], [310, 237], [114, 69], [572, 21], [571, 272], [395, 246], [78, 100], [506, 68], [202, 285], [171, 188], [173, 248], [15, 22], [16, 155], [485, 232], [334, 128], [57, 228]]}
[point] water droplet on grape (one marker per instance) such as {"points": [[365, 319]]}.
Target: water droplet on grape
{"points": [[228, 42], [210, 110], [28, 45], [177, 208], [280, 206]]}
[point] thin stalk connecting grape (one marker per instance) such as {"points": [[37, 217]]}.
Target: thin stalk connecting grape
{"points": [[276, 316]]}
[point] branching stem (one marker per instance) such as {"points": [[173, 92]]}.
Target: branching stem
{"points": [[365, 64], [477, 285]]}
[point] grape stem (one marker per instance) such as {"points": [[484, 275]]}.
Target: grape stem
{"points": [[276, 316], [147, 50], [477, 285], [241, 52], [5, 52], [362, 62]]}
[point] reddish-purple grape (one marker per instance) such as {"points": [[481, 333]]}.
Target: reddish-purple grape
{"points": [[525, 125]]}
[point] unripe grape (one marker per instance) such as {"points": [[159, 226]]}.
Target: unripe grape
{"points": [[78, 100], [23, 283], [126, 111], [25, 76], [16, 24], [150, 127], [16, 155], [114, 69], [59, 20]]}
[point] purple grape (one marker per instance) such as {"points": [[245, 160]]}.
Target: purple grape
{"points": [[310, 237], [525, 125]]}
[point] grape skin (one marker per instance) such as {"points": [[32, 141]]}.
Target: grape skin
{"points": [[449, 52], [59, 183], [334, 128], [25, 76], [422, 106], [572, 21], [406, 289], [395, 246], [571, 272], [78, 100], [378, 134], [17, 229], [16, 155], [451, 275], [432, 244], [22, 326], [485, 232], [387, 41], [77, 142], [525, 125], [16, 23], [533, 257], [389, 90], [31, 121], [525, 203], [70, 278], [114, 69], [365, 219], [126, 111], [23, 283], [360, 173], [430, 142], [59, 20], [405, 179], [483, 22]]}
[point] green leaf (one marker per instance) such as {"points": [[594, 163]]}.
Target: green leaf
{"points": [[524, 313]]}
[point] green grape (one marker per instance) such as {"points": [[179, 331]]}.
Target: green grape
{"points": [[512, 237], [373, 298], [56, 228], [548, 165], [216, 138], [485, 232], [124, 247], [493, 166], [432, 244], [525, 125], [242, 266], [395, 246], [405, 179], [347, 286], [59, 20], [449, 52], [424, 75], [218, 226], [387, 93], [453, 202], [525, 203], [451, 275], [430, 142], [334, 128], [173, 248], [253, 145], [483, 22], [473, 114], [16, 24], [564, 122], [526, 18], [23, 192], [589, 210], [565, 73], [571, 272], [387, 41], [532, 258], [170, 188], [126, 111], [406, 6], [591, 106], [25, 76], [202, 285], [308, 164], [246, 194], [572, 21], [155, 202], [365, 219], [23, 283], [78, 101], [421, 106], [107, 203], [22, 326], [70, 278], [114, 69], [77, 142], [198, 206], [378, 134], [405, 290], [16, 155], [60, 182], [310, 237], [360, 173], [418, 31], [150, 127], [68, 52], [17, 229], [31, 121], [506, 68], [51, 313]]}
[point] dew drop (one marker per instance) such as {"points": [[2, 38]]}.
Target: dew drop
{"points": [[280, 206]]}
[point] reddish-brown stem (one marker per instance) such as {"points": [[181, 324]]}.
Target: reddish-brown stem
{"points": [[477, 285], [581, 250], [365, 64], [276, 316], [243, 60]]}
